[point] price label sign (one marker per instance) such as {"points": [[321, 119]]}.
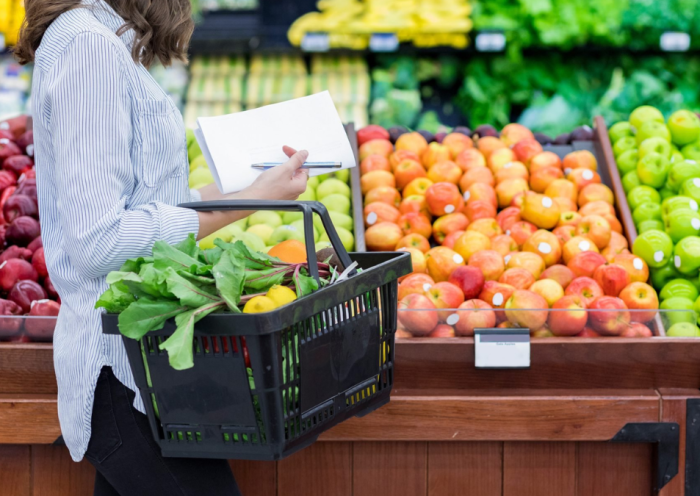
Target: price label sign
{"points": [[315, 42], [490, 41], [675, 42], [502, 348], [383, 42]]}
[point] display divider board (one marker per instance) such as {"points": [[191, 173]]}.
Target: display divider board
{"points": [[357, 206]]}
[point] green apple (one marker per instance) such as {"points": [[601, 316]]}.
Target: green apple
{"points": [[242, 224], [650, 225], [691, 151], [341, 220], [308, 195], [696, 307], [679, 287], [262, 231], [655, 145], [313, 183], [687, 255], [691, 189], [193, 150], [231, 231], [654, 247], [624, 144], [200, 177], [681, 311], [199, 163], [661, 276], [620, 130], [345, 236], [267, 217], [342, 174], [627, 162], [630, 181], [225, 234], [189, 136], [337, 203], [332, 186], [283, 233], [318, 223], [645, 113], [320, 245], [251, 241], [299, 225], [683, 330], [682, 223], [653, 169], [678, 203], [666, 193], [652, 129], [676, 156], [642, 194], [289, 217], [684, 126], [681, 172], [647, 211]]}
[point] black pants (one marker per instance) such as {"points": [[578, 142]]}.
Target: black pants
{"points": [[128, 460]]}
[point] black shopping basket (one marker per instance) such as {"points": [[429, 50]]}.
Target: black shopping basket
{"points": [[266, 385]]}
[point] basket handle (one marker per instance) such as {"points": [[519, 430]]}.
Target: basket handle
{"points": [[308, 208]]}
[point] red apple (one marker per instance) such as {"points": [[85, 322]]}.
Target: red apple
{"points": [[584, 287], [415, 284], [383, 236], [639, 296], [469, 279], [612, 278], [414, 241], [475, 314], [507, 217], [610, 316], [559, 273], [637, 330], [518, 278], [526, 309], [568, 316], [451, 239], [442, 262], [585, 263], [442, 331], [445, 295], [490, 262], [549, 289], [417, 314]]}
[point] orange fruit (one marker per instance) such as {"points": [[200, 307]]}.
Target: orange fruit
{"points": [[290, 251]]}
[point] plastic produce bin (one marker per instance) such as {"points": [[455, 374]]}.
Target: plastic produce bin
{"points": [[25, 328], [266, 385]]}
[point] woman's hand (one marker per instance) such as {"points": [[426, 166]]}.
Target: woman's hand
{"points": [[285, 182]]}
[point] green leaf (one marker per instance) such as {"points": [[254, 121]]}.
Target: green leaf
{"points": [[130, 282], [262, 280], [189, 292], [304, 284], [166, 256], [229, 273], [154, 281], [188, 246], [115, 300], [207, 281], [147, 315], [211, 256], [179, 344], [252, 259], [134, 264]]}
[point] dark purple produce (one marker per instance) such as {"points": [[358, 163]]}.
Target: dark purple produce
{"points": [[543, 139], [429, 137], [463, 130], [583, 133], [10, 324], [27, 187], [563, 139], [25, 292], [440, 136], [22, 231], [19, 205], [485, 130], [15, 252], [395, 132]]}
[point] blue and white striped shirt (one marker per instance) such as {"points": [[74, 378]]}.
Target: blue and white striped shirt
{"points": [[111, 164]]}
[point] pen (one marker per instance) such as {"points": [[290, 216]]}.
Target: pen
{"points": [[307, 165]]}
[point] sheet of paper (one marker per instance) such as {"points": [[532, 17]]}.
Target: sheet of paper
{"points": [[234, 142]]}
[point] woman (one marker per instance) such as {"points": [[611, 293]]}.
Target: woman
{"points": [[111, 167]]}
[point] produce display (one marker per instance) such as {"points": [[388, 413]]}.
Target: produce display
{"points": [[659, 161], [502, 232], [24, 281], [263, 230], [351, 23]]}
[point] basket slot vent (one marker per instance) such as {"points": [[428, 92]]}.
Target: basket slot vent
{"points": [[182, 436]]}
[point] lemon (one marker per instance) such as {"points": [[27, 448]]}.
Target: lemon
{"points": [[281, 295], [259, 304]]}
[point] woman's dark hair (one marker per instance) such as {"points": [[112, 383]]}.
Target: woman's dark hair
{"points": [[162, 28]]}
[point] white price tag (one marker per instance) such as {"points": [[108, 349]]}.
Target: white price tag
{"points": [[675, 42], [502, 348], [383, 42], [490, 42], [315, 42]]}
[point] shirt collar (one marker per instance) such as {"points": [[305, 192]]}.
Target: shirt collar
{"points": [[104, 13]]}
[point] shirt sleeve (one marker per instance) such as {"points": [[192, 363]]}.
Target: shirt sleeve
{"points": [[91, 133]]}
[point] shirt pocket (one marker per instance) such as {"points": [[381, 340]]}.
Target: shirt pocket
{"points": [[161, 139]]}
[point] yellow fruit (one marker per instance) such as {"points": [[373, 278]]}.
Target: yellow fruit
{"points": [[201, 175], [198, 162], [281, 295], [259, 304]]}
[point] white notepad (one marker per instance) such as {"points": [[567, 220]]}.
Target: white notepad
{"points": [[231, 143]]}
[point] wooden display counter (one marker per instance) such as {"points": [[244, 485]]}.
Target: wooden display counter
{"points": [[589, 417]]}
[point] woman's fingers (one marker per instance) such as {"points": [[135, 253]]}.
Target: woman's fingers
{"points": [[288, 151], [296, 161]]}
